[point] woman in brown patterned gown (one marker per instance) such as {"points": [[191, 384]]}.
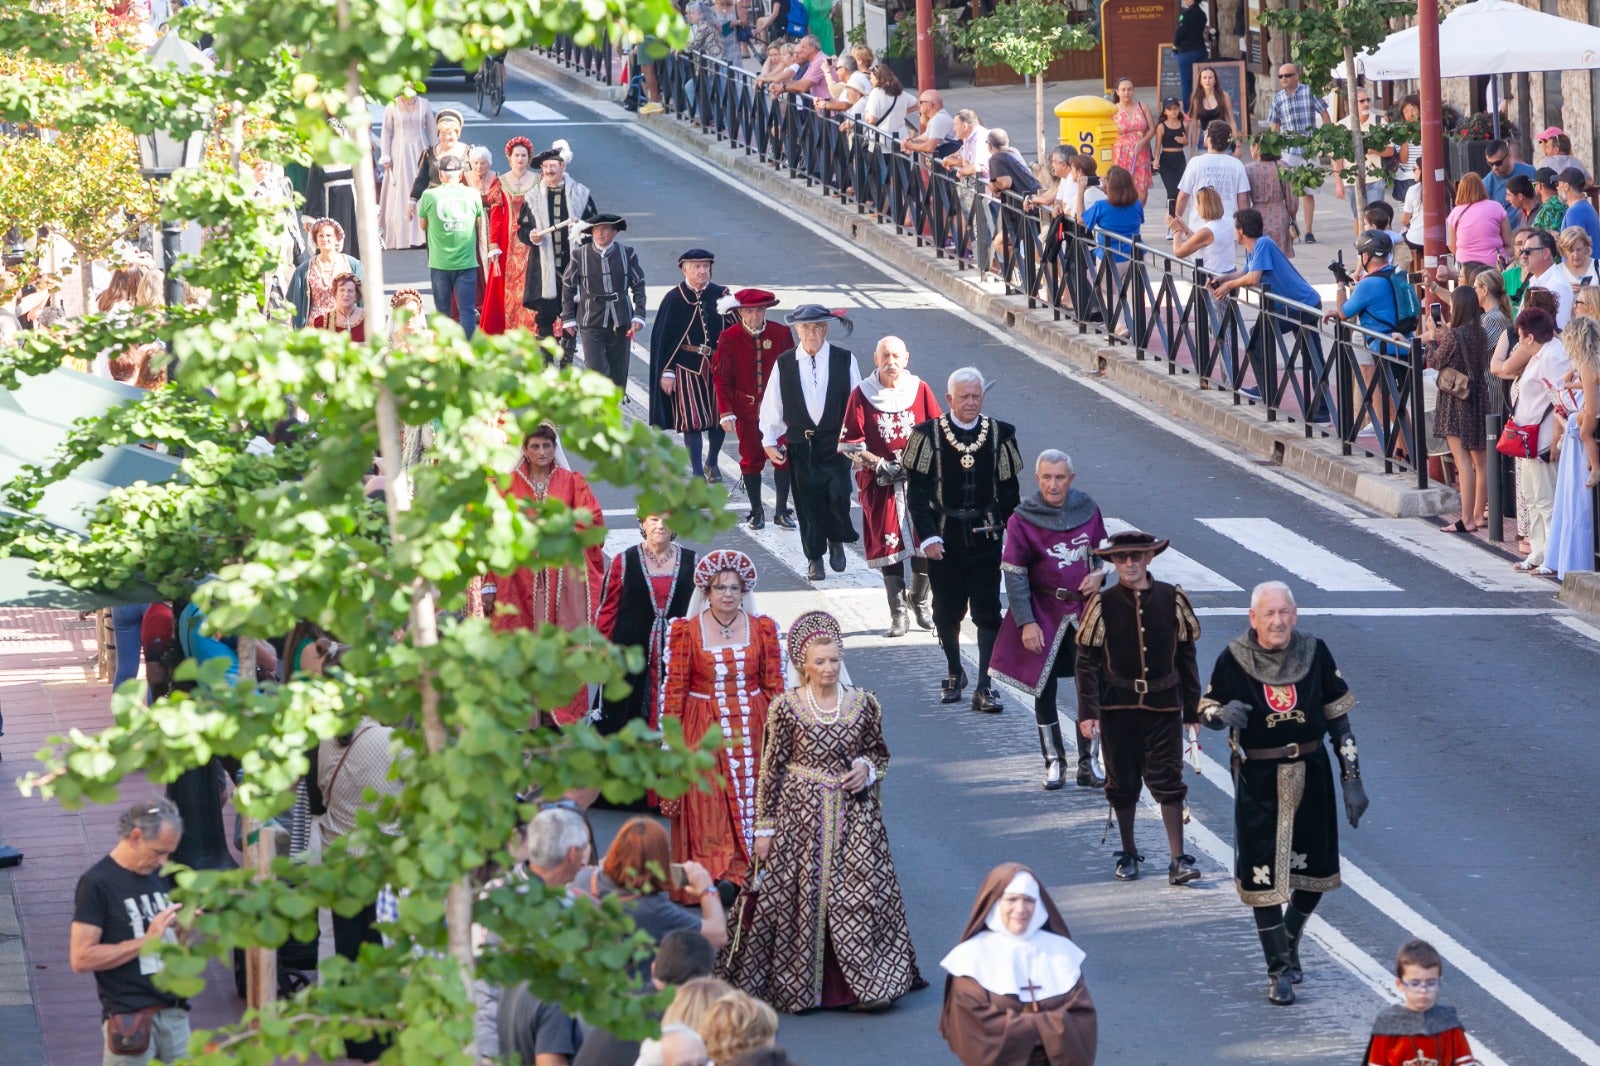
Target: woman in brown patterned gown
{"points": [[827, 927]]}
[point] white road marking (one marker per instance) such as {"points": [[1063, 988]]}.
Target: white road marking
{"points": [[468, 112], [1177, 568], [1498, 986], [1304, 558], [534, 111], [1580, 627], [1458, 555]]}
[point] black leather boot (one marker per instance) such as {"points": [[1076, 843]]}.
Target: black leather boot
{"points": [[921, 600], [758, 513], [1275, 946], [894, 586], [1055, 757], [1294, 923]]}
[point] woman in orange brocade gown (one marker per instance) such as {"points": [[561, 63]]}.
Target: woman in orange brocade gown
{"points": [[528, 598], [724, 664], [508, 271]]}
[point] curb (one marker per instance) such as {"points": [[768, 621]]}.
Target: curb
{"points": [[1281, 444], [1580, 590]]}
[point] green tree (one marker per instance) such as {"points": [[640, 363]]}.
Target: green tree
{"points": [[1327, 38], [1027, 36], [290, 536]]}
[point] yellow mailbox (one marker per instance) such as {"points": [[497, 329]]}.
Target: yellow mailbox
{"points": [[1089, 125]]}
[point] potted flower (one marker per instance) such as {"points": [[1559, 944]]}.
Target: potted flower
{"points": [[1467, 146]]}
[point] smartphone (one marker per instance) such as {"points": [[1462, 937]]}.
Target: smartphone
{"points": [[1436, 311], [680, 876]]}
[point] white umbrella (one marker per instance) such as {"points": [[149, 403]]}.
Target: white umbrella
{"points": [[1488, 37]]}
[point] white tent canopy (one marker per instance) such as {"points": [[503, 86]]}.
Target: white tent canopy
{"points": [[1487, 37]]}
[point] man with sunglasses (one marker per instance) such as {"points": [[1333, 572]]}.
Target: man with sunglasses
{"points": [[1138, 685], [1543, 267], [1296, 110], [1502, 167]]}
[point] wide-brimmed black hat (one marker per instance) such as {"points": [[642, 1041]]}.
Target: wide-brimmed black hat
{"points": [[696, 255], [616, 222], [811, 313], [546, 156], [1131, 540]]}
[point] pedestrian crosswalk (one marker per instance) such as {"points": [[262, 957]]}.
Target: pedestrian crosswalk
{"points": [[1304, 558], [524, 110], [1176, 568]]}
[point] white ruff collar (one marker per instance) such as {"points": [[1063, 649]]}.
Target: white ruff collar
{"points": [[890, 401]]}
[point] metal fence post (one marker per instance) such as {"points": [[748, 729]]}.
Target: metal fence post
{"points": [[1494, 471]]}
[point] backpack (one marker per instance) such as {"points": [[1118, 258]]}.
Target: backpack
{"points": [[1407, 308], [797, 22]]}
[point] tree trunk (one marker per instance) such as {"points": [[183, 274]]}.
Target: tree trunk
{"points": [[1358, 142], [424, 623]]}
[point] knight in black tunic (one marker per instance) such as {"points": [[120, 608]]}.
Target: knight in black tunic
{"points": [[683, 393], [1279, 693], [802, 416], [962, 484]]}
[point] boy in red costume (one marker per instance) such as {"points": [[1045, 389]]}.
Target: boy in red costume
{"points": [[1419, 1032]]}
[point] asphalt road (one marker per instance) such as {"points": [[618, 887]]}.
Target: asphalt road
{"points": [[1475, 690]]}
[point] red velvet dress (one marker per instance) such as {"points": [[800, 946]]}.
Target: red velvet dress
{"points": [[882, 419], [729, 687], [565, 596], [326, 321], [499, 312], [740, 370]]}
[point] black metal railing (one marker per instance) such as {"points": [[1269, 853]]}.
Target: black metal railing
{"points": [[1338, 381], [592, 61]]}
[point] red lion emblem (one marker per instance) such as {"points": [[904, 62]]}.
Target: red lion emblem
{"points": [[1280, 697]]}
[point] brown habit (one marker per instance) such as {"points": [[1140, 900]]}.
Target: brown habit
{"points": [[985, 1029]]}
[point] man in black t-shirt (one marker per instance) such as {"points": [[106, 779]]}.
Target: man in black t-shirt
{"points": [[123, 908]]}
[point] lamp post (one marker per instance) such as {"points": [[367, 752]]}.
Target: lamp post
{"points": [[163, 153]]}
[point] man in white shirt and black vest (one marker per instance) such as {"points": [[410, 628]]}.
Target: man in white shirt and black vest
{"points": [[802, 415], [962, 484]]}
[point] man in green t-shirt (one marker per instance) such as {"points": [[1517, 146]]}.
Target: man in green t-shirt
{"points": [[449, 213]]}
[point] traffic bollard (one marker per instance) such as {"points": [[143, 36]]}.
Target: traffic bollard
{"points": [[1493, 471]]}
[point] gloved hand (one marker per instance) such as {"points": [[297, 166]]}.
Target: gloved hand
{"points": [[1355, 800], [1235, 714]]}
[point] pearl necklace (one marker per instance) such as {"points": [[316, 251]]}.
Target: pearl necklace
{"points": [[819, 715], [540, 488]]}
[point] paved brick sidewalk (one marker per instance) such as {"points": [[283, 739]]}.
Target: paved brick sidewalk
{"points": [[48, 1014]]}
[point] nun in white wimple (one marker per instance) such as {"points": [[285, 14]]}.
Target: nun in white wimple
{"points": [[1014, 994]]}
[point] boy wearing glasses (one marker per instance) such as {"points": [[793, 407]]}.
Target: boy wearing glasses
{"points": [[1418, 1030]]}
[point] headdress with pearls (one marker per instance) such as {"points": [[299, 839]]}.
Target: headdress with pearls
{"points": [[810, 627], [722, 559]]}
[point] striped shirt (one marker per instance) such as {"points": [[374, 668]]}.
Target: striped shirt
{"points": [[1296, 112]]}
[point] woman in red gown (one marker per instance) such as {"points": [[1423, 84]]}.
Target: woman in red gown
{"points": [[346, 315], [528, 598], [724, 665], [507, 270]]}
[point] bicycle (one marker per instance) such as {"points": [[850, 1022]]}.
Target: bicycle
{"points": [[491, 85]]}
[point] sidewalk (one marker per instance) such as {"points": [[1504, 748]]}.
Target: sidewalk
{"points": [[48, 1014]]}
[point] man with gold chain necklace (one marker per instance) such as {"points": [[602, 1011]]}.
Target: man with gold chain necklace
{"points": [[961, 486]]}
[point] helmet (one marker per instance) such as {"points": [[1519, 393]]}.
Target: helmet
{"points": [[1374, 242]]}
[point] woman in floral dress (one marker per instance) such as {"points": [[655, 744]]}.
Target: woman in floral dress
{"points": [[1135, 130], [407, 133], [827, 927], [724, 665], [1269, 194], [311, 287]]}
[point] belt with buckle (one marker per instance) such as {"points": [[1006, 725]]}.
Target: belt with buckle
{"points": [[1144, 686], [698, 349], [1070, 595], [1288, 751]]}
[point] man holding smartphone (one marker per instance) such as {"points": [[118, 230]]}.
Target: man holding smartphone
{"points": [[121, 911]]}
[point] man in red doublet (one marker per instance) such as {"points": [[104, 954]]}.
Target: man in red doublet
{"points": [[740, 368]]}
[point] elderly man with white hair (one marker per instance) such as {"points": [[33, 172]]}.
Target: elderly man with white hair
{"points": [[962, 472], [1050, 570], [1279, 694]]}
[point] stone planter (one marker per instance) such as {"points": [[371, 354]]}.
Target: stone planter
{"points": [[1463, 156]]}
